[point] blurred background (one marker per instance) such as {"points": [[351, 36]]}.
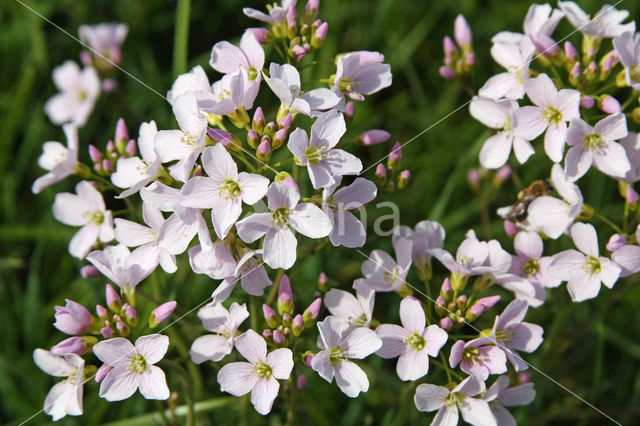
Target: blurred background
{"points": [[591, 348]]}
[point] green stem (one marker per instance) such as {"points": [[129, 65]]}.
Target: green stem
{"points": [[608, 222], [186, 382], [240, 156], [444, 365], [181, 37]]}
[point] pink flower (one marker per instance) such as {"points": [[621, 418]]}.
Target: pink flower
{"points": [[250, 272], [196, 82], [628, 257], [227, 58], [78, 93], [470, 259], [500, 395], [259, 375], [551, 111], [86, 209], [511, 334], [477, 358], [279, 243], [382, 272], [347, 230], [628, 48], [61, 162], [540, 19], [72, 318], [133, 367], [356, 311], [500, 262], [223, 190], [339, 344], [584, 270], [106, 39], [515, 58], [449, 402], [361, 73], [64, 397], [606, 23], [114, 263], [224, 324], [276, 14], [597, 145], [413, 343]]}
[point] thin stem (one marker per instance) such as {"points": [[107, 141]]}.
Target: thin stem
{"points": [[240, 156], [186, 382], [181, 37], [608, 222]]}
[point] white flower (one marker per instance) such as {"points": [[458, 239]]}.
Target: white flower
{"points": [[224, 324], [61, 162], [64, 397], [515, 58], [78, 93], [606, 23], [356, 311]]}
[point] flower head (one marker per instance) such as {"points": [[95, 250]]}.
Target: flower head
{"points": [[79, 90], [64, 397], [224, 325], [59, 161]]}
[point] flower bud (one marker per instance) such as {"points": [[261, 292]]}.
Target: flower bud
{"points": [[319, 35], [286, 179], [73, 318], [461, 301], [574, 75], [102, 372], [524, 377], [473, 177], [591, 72], [270, 316], [447, 73], [161, 313], [302, 382], [446, 291], [111, 149], [78, 345], [510, 228], [285, 122], [462, 32], [264, 149], [107, 332], [446, 323], [440, 306], [480, 307], [310, 315], [267, 334], [587, 102], [113, 299], [503, 173], [279, 138], [260, 33], [458, 319], [307, 358], [285, 296], [109, 85], [297, 325], [395, 157], [132, 148], [403, 178], [102, 312], [545, 45], [631, 195], [286, 319], [270, 127], [107, 166], [95, 154], [350, 109], [257, 124], [253, 139], [122, 328], [609, 105], [312, 8], [450, 49], [85, 58], [322, 281], [616, 241], [299, 52], [122, 134], [373, 137], [381, 174], [278, 338], [469, 61], [571, 52], [292, 22], [89, 271]]}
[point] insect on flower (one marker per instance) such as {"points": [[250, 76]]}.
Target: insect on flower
{"points": [[519, 210]]}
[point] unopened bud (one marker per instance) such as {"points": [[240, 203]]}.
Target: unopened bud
{"points": [[587, 102], [609, 105], [285, 122], [85, 58], [350, 109], [403, 178], [450, 49], [267, 334], [616, 241], [123, 329], [264, 149], [571, 52], [591, 72], [122, 134], [270, 128], [322, 281], [132, 148], [631, 195], [95, 154], [102, 312], [109, 85], [469, 61], [307, 358], [260, 33], [111, 149], [446, 291], [113, 299], [107, 166], [257, 124], [503, 173], [310, 315], [89, 271], [299, 52], [270, 316], [285, 296], [545, 45], [395, 157], [373, 137], [635, 114], [381, 174], [510, 228], [480, 307], [312, 7], [461, 301], [473, 177], [130, 313], [107, 332], [301, 382], [286, 319], [78, 345], [292, 22], [102, 372], [279, 138], [278, 338], [253, 139], [319, 35], [447, 73], [524, 377], [161, 313], [446, 323], [462, 32], [297, 325]]}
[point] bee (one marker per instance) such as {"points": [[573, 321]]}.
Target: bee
{"points": [[519, 210]]}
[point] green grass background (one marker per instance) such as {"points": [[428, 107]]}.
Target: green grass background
{"points": [[591, 348]]}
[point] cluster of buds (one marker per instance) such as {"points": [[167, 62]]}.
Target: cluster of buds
{"points": [[459, 58], [120, 147], [300, 33], [284, 326], [266, 138], [456, 311], [390, 178]]}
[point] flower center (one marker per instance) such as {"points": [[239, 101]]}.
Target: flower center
{"points": [[224, 94], [453, 399], [415, 341], [281, 217], [137, 364], [518, 73], [531, 267], [592, 265], [252, 73], [263, 370], [360, 321], [315, 154], [188, 138], [634, 73], [593, 142], [464, 260], [81, 95], [346, 85], [94, 218], [229, 189], [471, 355], [552, 115], [508, 125], [392, 276], [337, 355]]}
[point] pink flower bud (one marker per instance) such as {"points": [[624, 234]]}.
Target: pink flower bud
{"points": [[310, 315], [278, 138], [609, 105], [270, 316], [440, 306], [312, 7], [264, 150], [616, 241], [395, 156], [258, 122], [95, 154], [109, 85], [473, 177], [592, 70], [403, 178], [381, 172], [112, 297], [253, 139], [503, 173], [122, 134], [322, 279], [446, 323], [107, 332], [74, 345], [161, 313], [570, 51], [545, 45], [469, 60], [111, 148], [374, 136], [270, 128], [307, 358], [102, 312], [302, 382], [447, 72], [102, 372], [461, 301], [524, 377], [260, 33], [85, 58], [285, 123], [267, 334], [278, 338], [220, 136], [132, 148], [462, 31], [123, 329], [297, 325], [350, 109], [107, 166], [72, 318], [89, 271], [631, 195], [289, 181], [319, 35], [299, 51], [607, 65], [575, 71], [286, 319], [291, 16], [449, 47], [480, 307], [130, 314], [510, 228], [285, 296], [587, 102]]}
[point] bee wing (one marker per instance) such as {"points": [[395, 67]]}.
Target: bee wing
{"points": [[505, 212]]}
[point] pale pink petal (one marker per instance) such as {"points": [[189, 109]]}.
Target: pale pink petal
{"points": [[254, 187], [490, 113], [541, 90], [310, 220], [280, 195], [583, 286], [200, 192], [351, 379], [518, 395], [567, 264], [254, 226], [495, 151], [609, 272], [227, 58], [613, 127], [210, 347], [628, 257], [435, 338], [252, 346], [347, 230], [500, 85], [298, 143], [281, 363], [477, 412], [446, 416], [328, 129], [219, 164], [152, 347], [83, 240], [554, 141], [585, 238], [361, 342], [528, 122], [115, 352], [360, 192], [412, 315], [612, 160], [523, 149], [237, 378], [153, 384], [393, 337], [132, 234], [119, 384], [527, 337], [528, 244], [412, 365], [430, 397], [577, 162], [263, 394], [323, 366], [224, 214], [280, 248], [51, 364], [342, 304]]}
